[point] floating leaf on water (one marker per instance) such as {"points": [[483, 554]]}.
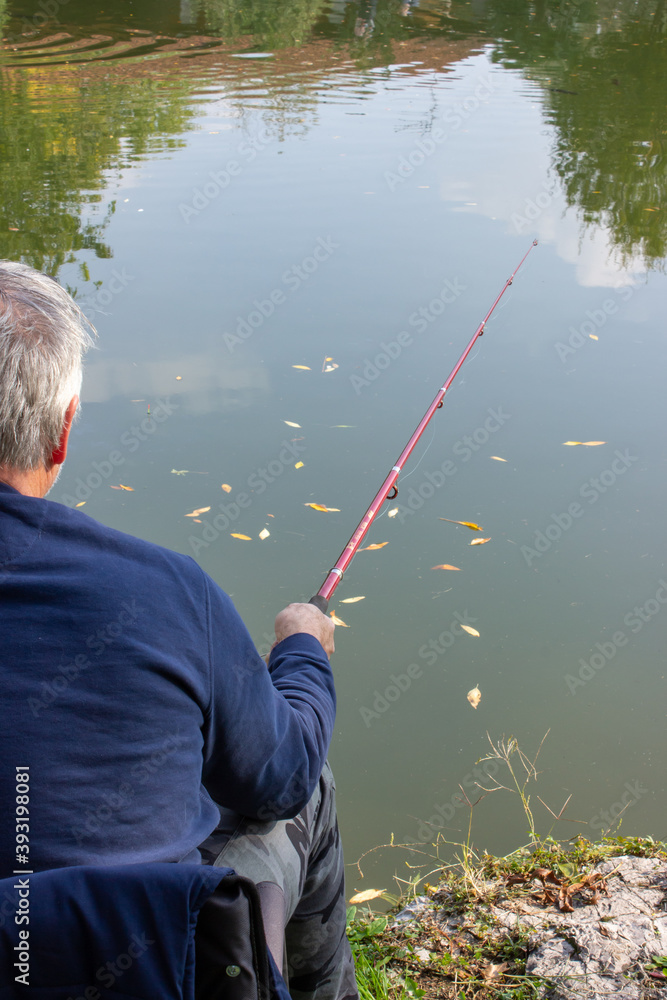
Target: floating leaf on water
{"points": [[497, 458], [226, 487], [336, 620], [330, 368], [298, 465], [393, 512], [589, 444], [198, 511], [130, 489], [480, 541], [375, 545], [319, 506], [366, 896], [290, 423], [474, 696], [470, 630], [352, 600], [264, 534], [466, 524], [446, 566], [80, 504], [178, 378], [593, 336], [303, 368], [343, 425], [234, 534]]}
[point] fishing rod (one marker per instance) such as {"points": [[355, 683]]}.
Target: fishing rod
{"points": [[389, 489]]}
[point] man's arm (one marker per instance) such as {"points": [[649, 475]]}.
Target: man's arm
{"points": [[267, 730]]}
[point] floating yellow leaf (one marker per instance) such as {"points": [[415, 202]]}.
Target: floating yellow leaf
{"points": [[352, 600], [330, 368], [393, 512], [226, 487], [466, 524], [474, 697], [130, 489], [470, 630], [179, 378], [366, 895], [446, 566], [593, 336], [264, 533], [319, 506], [180, 472], [497, 458], [198, 511], [80, 504], [589, 444], [480, 541], [298, 465], [290, 423], [375, 545], [245, 538], [337, 621], [303, 368]]}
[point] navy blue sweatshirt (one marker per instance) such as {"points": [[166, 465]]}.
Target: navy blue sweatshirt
{"points": [[132, 695]]}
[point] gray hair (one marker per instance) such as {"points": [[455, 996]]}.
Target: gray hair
{"points": [[43, 337]]}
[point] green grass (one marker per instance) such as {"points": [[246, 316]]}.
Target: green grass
{"points": [[488, 967]]}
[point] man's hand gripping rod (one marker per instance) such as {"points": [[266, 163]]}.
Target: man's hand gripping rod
{"points": [[389, 490]]}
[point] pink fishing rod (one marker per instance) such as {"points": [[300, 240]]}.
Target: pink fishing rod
{"points": [[389, 489]]}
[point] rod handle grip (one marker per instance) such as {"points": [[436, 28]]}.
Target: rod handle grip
{"points": [[321, 603]]}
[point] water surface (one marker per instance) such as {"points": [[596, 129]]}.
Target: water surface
{"points": [[232, 191]]}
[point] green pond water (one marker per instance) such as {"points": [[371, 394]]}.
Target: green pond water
{"points": [[234, 189]]}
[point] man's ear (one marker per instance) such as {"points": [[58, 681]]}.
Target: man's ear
{"points": [[59, 453]]}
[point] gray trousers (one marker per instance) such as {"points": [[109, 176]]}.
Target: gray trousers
{"points": [[297, 866]]}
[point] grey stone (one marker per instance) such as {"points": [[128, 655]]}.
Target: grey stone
{"points": [[593, 951]]}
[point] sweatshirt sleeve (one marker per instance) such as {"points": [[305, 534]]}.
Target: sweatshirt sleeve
{"points": [[267, 729]]}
